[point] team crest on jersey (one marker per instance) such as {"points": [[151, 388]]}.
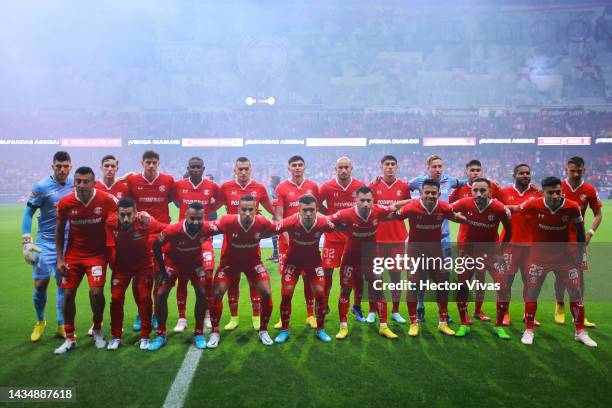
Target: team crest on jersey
{"points": [[137, 235], [375, 222], [119, 195], [257, 235], [565, 218], [98, 210], [253, 194], [491, 217], [162, 188], [583, 197], [206, 192], [398, 193], [438, 217]]}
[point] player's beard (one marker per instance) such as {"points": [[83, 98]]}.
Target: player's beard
{"points": [[193, 228], [125, 226]]}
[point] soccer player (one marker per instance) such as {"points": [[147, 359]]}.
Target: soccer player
{"points": [[45, 195], [335, 195], [229, 195], [286, 204], [109, 183], [183, 255], [391, 236], [274, 182], [192, 189], [477, 240], [303, 257], [361, 222], [130, 259], [426, 217], [576, 189], [435, 171], [242, 233], [86, 212], [551, 217], [152, 192]]}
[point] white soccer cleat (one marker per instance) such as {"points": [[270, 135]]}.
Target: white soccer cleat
{"points": [[207, 322], [144, 343], [66, 346], [371, 318], [583, 337], [398, 318], [527, 337], [98, 338], [181, 325], [114, 344], [213, 340], [265, 338]]}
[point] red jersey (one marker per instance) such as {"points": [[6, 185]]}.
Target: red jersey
{"points": [[482, 226], [425, 226], [387, 194], [183, 248], [230, 193], [152, 197], [185, 192], [465, 191], [240, 245], [132, 247], [338, 198], [360, 231], [304, 243], [118, 189], [87, 233], [520, 222], [585, 196], [549, 225], [288, 195]]}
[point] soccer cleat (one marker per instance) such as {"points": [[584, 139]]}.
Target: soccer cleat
{"points": [[501, 333], [506, 319], [144, 343], [207, 322], [272, 258], [66, 346], [256, 322], [589, 324], [312, 322], [199, 341], [413, 331], [90, 331], [98, 338], [445, 329], [39, 329], [137, 324], [421, 313], [342, 333], [559, 313], [583, 337], [265, 338], [154, 322], [213, 341], [371, 318], [482, 316], [356, 310], [396, 317], [278, 325], [535, 322], [114, 344], [60, 333], [386, 332], [527, 337], [181, 325], [462, 331], [233, 323], [282, 337], [157, 343], [321, 335]]}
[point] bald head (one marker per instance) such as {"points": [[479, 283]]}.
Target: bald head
{"points": [[344, 168]]}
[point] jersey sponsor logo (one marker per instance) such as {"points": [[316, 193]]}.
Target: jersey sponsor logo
{"points": [[152, 199], [86, 221], [583, 197], [364, 234], [552, 227], [491, 217], [427, 226], [206, 192], [240, 246], [481, 224]]}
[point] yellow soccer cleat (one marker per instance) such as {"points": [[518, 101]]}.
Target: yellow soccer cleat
{"points": [[342, 333], [386, 332], [413, 331], [559, 313], [589, 324], [279, 325], [39, 329], [60, 333], [256, 323], [312, 322], [445, 329], [233, 323]]}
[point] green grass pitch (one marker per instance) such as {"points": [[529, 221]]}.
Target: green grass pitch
{"points": [[365, 370]]}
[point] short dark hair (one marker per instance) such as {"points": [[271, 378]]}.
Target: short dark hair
{"points": [[431, 182], [364, 190], [196, 205], [248, 198], [242, 159], [109, 157], [84, 170], [150, 154], [296, 158], [308, 199], [61, 156], [473, 162], [482, 180], [551, 181], [388, 157], [517, 167], [577, 161], [195, 158], [126, 202]]}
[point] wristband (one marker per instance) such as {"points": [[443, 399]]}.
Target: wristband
{"points": [[592, 231]]}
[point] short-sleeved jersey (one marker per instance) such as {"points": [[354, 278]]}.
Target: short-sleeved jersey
{"points": [[548, 225], [185, 192], [87, 229], [182, 247], [45, 196], [482, 226], [231, 191], [585, 195], [465, 191], [338, 198], [132, 246], [360, 231], [152, 196], [425, 225], [118, 189], [288, 195], [241, 245], [520, 222], [387, 194], [304, 243]]}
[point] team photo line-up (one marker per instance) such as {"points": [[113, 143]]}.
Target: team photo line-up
{"points": [[85, 225]]}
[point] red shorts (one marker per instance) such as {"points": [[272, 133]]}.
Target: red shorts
{"points": [[291, 274], [516, 256], [536, 273], [332, 253], [255, 272], [390, 250], [283, 247], [95, 269], [195, 273], [208, 255]]}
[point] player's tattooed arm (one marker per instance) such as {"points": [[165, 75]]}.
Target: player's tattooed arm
{"points": [[60, 233], [159, 256], [458, 218]]}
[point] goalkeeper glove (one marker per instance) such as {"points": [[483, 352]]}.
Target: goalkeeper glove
{"points": [[28, 249]]}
